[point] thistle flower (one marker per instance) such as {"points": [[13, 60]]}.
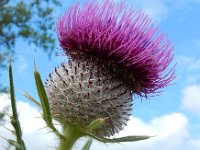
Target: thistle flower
{"points": [[114, 52], [115, 34]]}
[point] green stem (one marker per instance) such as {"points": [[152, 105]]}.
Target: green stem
{"points": [[14, 119], [71, 135]]}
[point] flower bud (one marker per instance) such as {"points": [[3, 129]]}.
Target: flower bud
{"points": [[81, 92]]}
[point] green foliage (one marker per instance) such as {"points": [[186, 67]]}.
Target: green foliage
{"points": [[31, 20], [3, 56]]}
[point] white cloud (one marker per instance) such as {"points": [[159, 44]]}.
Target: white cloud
{"points": [[4, 101], [191, 98], [171, 130]]}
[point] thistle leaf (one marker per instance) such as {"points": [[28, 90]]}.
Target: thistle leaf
{"points": [[43, 98], [87, 144], [127, 139], [14, 118], [45, 103], [121, 139]]}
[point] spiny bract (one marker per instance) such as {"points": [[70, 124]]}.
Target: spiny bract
{"points": [[80, 96]]}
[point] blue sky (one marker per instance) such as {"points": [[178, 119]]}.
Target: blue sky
{"points": [[175, 114]]}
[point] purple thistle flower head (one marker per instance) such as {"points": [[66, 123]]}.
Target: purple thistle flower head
{"points": [[124, 39]]}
